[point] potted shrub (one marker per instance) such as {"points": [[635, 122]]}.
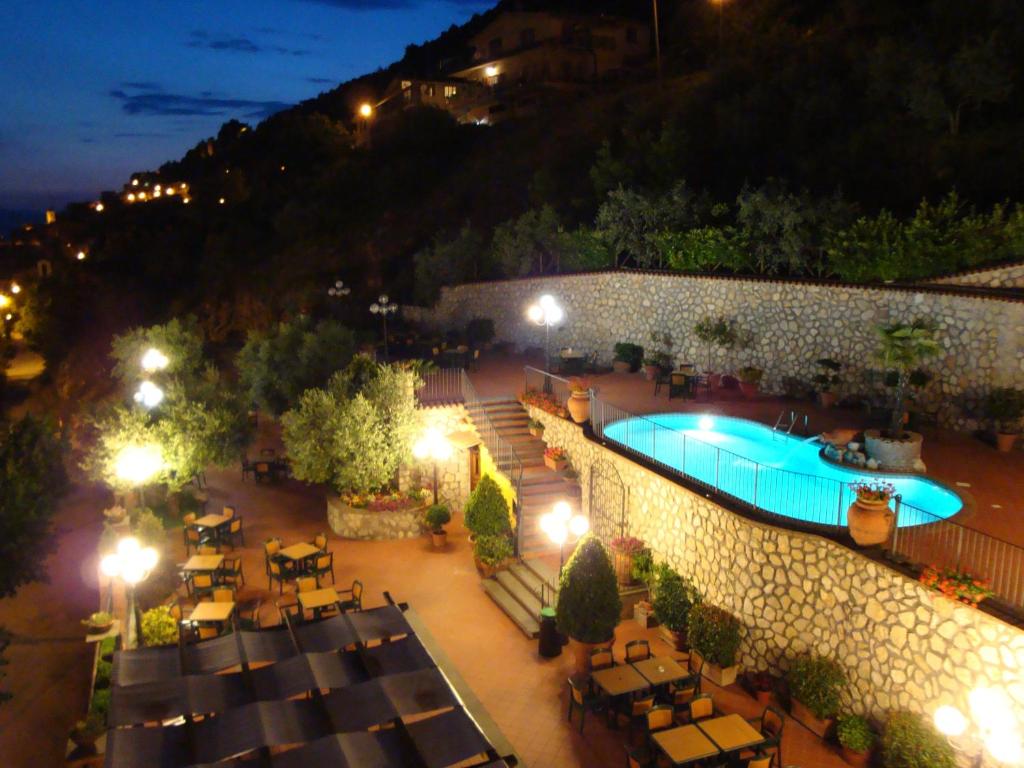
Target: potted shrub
{"points": [[720, 332], [536, 428], [901, 349], [490, 553], [555, 458], [815, 684], [750, 380], [908, 741], [869, 518], [627, 357], [158, 626], [436, 517], [855, 739], [486, 512], [1005, 406], [624, 549], [86, 731], [588, 600], [827, 379], [579, 399], [762, 684], [674, 600], [714, 634]]}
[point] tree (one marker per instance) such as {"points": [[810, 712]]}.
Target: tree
{"points": [[448, 263], [32, 480], [589, 605], [180, 341], [532, 244], [486, 512], [276, 367], [628, 222], [903, 347]]}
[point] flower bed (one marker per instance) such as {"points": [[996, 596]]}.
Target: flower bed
{"points": [[545, 401], [956, 585]]}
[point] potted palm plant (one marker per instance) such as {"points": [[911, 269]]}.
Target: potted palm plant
{"points": [[579, 399], [714, 635], [674, 600], [436, 517], [902, 348], [815, 684], [855, 739], [750, 380], [1005, 406], [589, 605], [627, 357], [827, 379]]}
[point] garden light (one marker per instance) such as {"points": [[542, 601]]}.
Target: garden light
{"points": [[5, 300], [154, 360], [132, 563], [383, 306], [995, 728], [366, 110], [136, 464], [547, 313], [559, 524], [950, 721], [149, 395], [434, 446], [339, 289], [15, 289]]}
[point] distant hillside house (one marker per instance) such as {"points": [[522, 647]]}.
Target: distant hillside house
{"points": [[450, 94]]}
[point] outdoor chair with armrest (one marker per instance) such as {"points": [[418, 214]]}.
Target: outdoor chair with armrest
{"points": [[355, 600], [637, 650], [770, 724]]}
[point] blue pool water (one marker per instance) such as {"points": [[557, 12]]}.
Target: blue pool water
{"points": [[773, 471]]}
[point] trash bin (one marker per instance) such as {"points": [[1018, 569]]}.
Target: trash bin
{"points": [[549, 644]]}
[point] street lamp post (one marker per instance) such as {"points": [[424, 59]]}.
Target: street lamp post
{"points": [[995, 730], [132, 563], [383, 306], [547, 313], [137, 464], [339, 290], [434, 446], [559, 524]]}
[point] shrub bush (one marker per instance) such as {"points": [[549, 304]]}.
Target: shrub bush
{"points": [[625, 352], [588, 595], [103, 670], [910, 742], [100, 704], [714, 633], [674, 597], [817, 682], [159, 627], [437, 516], [492, 550], [854, 732], [487, 511]]}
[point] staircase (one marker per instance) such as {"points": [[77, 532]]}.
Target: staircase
{"points": [[519, 591]]}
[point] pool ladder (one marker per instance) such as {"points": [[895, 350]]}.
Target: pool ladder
{"points": [[794, 417]]}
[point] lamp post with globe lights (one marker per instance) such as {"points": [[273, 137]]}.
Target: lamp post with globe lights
{"points": [[132, 563], [383, 306], [559, 524], [339, 290], [546, 312], [434, 446], [995, 729], [149, 395], [136, 465]]}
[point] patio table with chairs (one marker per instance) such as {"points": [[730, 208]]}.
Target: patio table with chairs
{"points": [[685, 744], [203, 563], [660, 670], [620, 680]]}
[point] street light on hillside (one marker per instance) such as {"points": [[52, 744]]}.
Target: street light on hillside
{"points": [[383, 306]]}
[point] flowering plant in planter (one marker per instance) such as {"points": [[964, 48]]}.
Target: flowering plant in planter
{"points": [[554, 453], [874, 491], [545, 401], [628, 545], [956, 585], [579, 385]]}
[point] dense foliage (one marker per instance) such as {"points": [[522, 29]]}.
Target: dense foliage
{"points": [[909, 741], [487, 512], [902, 347], [854, 732], [817, 682], [714, 633], [674, 597], [32, 479], [588, 596], [158, 626]]}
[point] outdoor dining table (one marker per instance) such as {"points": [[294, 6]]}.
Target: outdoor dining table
{"points": [[299, 553], [212, 612], [211, 521], [619, 680], [659, 670], [203, 563], [685, 744], [572, 363], [730, 732], [317, 599]]}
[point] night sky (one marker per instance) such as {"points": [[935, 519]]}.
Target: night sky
{"points": [[91, 91]]}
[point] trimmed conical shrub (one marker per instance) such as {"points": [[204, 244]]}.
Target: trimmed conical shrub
{"points": [[487, 510], [588, 598]]}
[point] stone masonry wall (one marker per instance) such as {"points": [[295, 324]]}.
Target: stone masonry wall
{"points": [[1009, 276], [903, 646], [792, 324], [452, 475]]}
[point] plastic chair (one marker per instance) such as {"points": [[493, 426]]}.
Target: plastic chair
{"points": [[355, 601], [324, 565], [579, 699], [637, 650]]}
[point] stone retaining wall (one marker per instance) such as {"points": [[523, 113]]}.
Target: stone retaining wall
{"points": [[791, 324], [369, 525], [903, 646], [1008, 276]]}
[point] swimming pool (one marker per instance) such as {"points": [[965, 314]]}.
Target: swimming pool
{"points": [[770, 470]]}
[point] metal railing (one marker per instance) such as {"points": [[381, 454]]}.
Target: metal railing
{"points": [[919, 537], [536, 380], [441, 387]]}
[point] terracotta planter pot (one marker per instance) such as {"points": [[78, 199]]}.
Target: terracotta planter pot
{"points": [[623, 569], [858, 759], [749, 389], [581, 654], [827, 399], [485, 571], [870, 522], [559, 465], [1005, 442], [764, 698], [579, 406], [439, 540], [821, 728], [651, 372], [620, 366], [677, 640]]}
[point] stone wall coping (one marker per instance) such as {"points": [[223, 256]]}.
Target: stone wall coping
{"points": [[993, 267]]}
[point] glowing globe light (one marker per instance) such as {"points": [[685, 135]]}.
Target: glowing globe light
{"points": [[149, 395], [1005, 746], [991, 707], [558, 532], [80, 256], [950, 720], [536, 314], [111, 566], [365, 110], [491, 71], [579, 525], [15, 289], [154, 360], [136, 464], [5, 300], [562, 511], [432, 445]]}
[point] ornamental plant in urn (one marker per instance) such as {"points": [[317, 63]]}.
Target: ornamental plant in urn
{"points": [[624, 549], [1005, 406], [435, 518], [815, 684], [555, 458], [714, 634], [869, 518], [579, 400], [588, 600]]}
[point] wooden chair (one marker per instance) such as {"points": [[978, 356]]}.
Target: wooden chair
{"points": [[231, 572], [194, 539], [324, 565], [770, 724], [659, 718], [680, 384], [637, 650], [581, 700], [701, 707], [270, 549], [601, 658], [276, 573], [201, 584], [234, 534], [355, 601], [682, 692], [320, 541], [306, 584], [223, 595], [636, 709]]}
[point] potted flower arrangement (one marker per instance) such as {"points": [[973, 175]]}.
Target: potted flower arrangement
{"points": [[855, 739], [627, 357], [815, 684], [579, 399], [98, 623], [490, 553], [674, 601], [714, 634], [827, 378], [956, 585], [1004, 406], [536, 428], [159, 627], [762, 684], [588, 600], [869, 518], [624, 549], [909, 741], [713, 332], [555, 458], [436, 517], [750, 379], [545, 401]]}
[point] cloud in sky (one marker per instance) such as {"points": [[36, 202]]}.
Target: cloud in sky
{"points": [[239, 44], [321, 80], [153, 100]]}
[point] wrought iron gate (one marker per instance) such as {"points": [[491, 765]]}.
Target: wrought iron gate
{"points": [[607, 502]]}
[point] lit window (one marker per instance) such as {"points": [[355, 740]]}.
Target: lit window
{"points": [[451, 91]]}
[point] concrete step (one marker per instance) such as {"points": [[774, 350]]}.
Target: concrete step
{"points": [[524, 596], [528, 578], [544, 570], [511, 607]]}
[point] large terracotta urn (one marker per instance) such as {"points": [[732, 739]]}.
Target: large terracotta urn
{"points": [[870, 521], [579, 406]]}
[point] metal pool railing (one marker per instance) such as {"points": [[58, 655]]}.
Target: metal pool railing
{"points": [[537, 380], [919, 537]]}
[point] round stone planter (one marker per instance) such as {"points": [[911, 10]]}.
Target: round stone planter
{"points": [[891, 453], [579, 406], [870, 522], [369, 525]]}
